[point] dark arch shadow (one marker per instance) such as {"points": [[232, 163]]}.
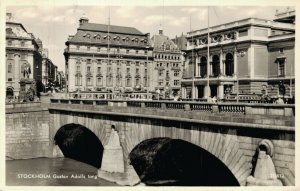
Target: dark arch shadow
{"points": [[165, 161], [79, 143]]}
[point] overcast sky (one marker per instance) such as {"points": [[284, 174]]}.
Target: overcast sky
{"points": [[53, 24]]}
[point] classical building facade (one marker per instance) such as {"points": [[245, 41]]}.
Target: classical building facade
{"points": [[168, 65], [23, 59], [108, 58], [28, 66], [249, 56]]}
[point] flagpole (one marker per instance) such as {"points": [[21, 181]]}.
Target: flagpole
{"points": [[208, 42]]}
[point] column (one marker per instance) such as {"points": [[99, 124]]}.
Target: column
{"points": [[235, 61], [207, 91], [183, 92], [221, 62], [196, 92], [221, 91]]}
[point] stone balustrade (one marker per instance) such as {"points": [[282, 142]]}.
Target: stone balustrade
{"points": [[216, 108]]}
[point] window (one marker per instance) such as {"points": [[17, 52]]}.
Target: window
{"points": [[88, 61], [215, 66], [88, 81], [118, 71], [77, 47], [9, 68], [128, 71], [137, 81], [99, 70], [127, 51], [160, 72], [109, 69], [229, 65], [78, 80], [176, 73], [88, 69], [146, 52], [203, 69], [78, 68], [9, 42], [119, 81], [136, 51], [145, 82], [88, 48], [22, 43], [98, 49], [176, 82], [99, 81], [146, 71], [128, 82], [160, 82], [281, 66], [109, 81], [137, 71], [9, 79], [281, 50]]}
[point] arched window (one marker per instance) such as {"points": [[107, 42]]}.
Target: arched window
{"points": [[215, 66], [203, 66], [229, 64]]}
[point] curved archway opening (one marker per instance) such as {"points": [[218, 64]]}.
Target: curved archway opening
{"points": [[165, 161], [79, 143]]}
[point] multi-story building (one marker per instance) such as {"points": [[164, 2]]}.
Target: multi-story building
{"points": [[23, 60], [180, 41], [168, 65], [111, 58], [49, 70], [61, 81], [249, 56]]}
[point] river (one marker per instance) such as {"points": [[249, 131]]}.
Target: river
{"points": [[52, 172]]}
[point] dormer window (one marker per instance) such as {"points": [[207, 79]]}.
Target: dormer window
{"points": [[98, 37], [88, 35]]}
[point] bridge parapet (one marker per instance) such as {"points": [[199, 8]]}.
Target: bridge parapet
{"points": [[234, 108], [266, 114]]}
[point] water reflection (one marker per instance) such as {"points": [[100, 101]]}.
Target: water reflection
{"points": [[52, 172]]}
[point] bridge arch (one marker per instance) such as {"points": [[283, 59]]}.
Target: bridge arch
{"points": [[79, 143], [223, 144], [169, 161]]}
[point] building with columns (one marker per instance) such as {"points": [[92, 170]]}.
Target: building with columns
{"points": [[168, 65], [249, 56], [110, 58]]}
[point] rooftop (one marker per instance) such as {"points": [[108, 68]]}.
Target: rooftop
{"points": [[240, 23], [112, 28]]}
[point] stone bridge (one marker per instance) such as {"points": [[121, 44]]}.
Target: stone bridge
{"points": [[231, 132]]}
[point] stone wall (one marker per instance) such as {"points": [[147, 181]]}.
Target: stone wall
{"points": [[27, 133]]}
